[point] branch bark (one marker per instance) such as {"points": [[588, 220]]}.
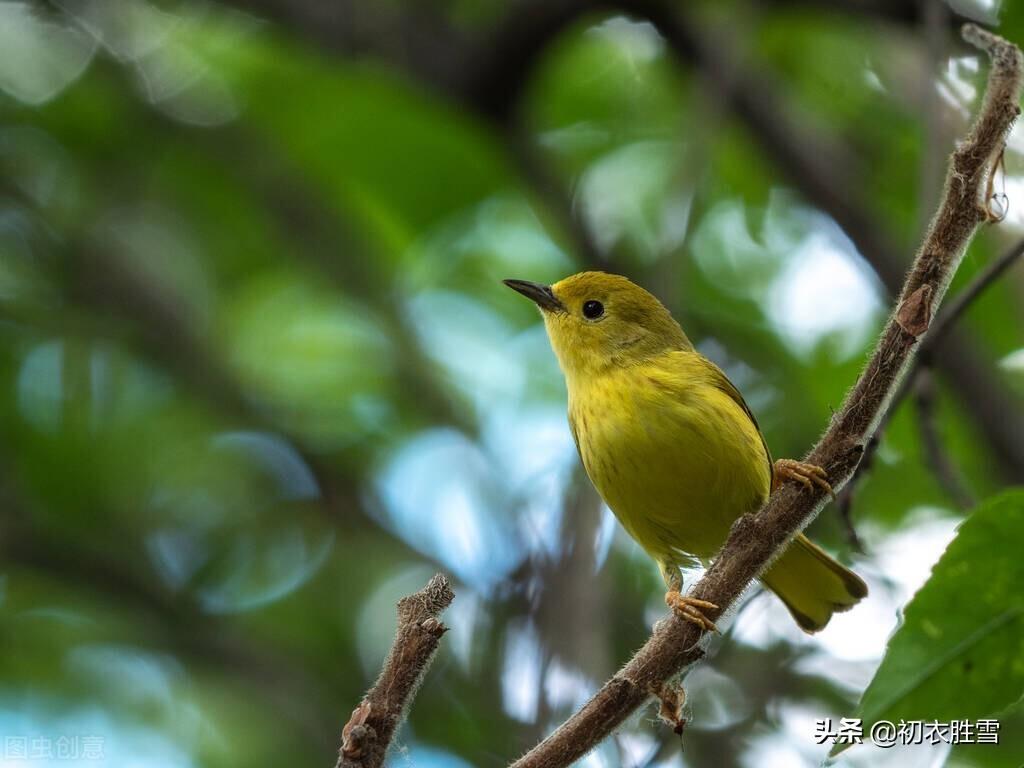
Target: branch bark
{"points": [[756, 539], [368, 733], [981, 283]]}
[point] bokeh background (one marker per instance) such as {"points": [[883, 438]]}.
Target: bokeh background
{"points": [[259, 377]]}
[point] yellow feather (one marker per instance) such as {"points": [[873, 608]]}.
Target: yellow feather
{"points": [[675, 457], [667, 439]]}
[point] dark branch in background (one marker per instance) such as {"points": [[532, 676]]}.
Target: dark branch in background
{"points": [[755, 539], [978, 285], [411, 35], [555, 199], [368, 733], [908, 12], [957, 306], [844, 499], [104, 291], [945, 471], [111, 287]]}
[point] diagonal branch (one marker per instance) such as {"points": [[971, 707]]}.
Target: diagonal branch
{"points": [[823, 168], [978, 285], [367, 734], [756, 539], [942, 466], [946, 319]]}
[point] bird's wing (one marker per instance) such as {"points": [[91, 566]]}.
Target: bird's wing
{"points": [[575, 436], [718, 379]]}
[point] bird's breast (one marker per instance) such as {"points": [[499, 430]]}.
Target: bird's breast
{"points": [[677, 461]]}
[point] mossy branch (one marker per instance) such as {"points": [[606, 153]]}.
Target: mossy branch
{"points": [[757, 538]]}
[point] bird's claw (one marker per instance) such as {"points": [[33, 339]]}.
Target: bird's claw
{"points": [[808, 475], [691, 609]]}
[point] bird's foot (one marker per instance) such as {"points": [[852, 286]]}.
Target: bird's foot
{"points": [[691, 609], [808, 475]]}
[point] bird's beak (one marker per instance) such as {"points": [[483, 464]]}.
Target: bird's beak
{"points": [[541, 295]]}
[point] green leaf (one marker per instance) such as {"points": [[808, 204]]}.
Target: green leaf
{"points": [[959, 653], [1006, 755]]}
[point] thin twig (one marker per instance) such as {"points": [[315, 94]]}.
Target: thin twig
{"points": [[909, 12], [756, 539], [945, 471], [943, 323], [844, 499], [368, 733], [978, 285]]}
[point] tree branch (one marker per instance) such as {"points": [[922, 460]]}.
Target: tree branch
{"points": [[960, 303], [945, 471], [907, 12], [823, 169], [756, 539], [943, 323], [367, 734]]}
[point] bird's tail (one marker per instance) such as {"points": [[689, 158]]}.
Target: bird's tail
{"points": [[813, 585]]}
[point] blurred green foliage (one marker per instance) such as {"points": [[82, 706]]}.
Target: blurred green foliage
{"points": [[260, 377]]}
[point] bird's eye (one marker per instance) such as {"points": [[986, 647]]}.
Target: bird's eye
{"points": [[593, 309]]}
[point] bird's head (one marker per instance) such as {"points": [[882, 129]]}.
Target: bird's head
{"points": [[597, 321]]}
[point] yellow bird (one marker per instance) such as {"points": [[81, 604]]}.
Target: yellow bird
{"points": [[670, 444]]}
